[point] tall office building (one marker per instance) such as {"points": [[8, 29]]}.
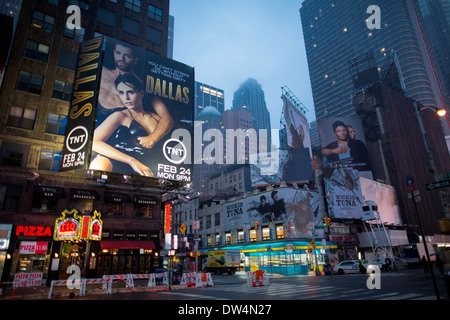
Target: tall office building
{"points": [[336, 34], [34, 107], [436, 14], [250, 97], [208, 96]]}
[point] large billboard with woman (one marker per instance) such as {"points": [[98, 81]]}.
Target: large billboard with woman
{"points": [[343, 144], [144, 114]]}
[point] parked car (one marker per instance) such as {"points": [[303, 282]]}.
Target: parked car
{"points": [[349, 266]]}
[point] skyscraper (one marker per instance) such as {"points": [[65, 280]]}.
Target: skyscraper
{"points": [[336, 32], [206, 96], [250, 97], [436, 14]]}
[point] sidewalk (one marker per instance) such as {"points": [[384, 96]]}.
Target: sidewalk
{"points": [[42, 292]]}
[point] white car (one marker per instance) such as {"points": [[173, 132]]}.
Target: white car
{"points": [[347, 266]]}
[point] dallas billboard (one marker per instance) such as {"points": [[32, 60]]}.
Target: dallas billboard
{"points": [[132, 112]]}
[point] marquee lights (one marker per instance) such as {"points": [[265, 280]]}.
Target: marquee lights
{"points": [[72, 227]]}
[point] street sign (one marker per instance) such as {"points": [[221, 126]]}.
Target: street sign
{"points": [[410, 183], [182, 228], [438, 185], [444, 176]]}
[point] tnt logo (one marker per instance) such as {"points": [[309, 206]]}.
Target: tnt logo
{"points": [[374, 21]]}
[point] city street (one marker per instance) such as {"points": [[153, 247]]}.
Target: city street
{"points": [[401, 285]]}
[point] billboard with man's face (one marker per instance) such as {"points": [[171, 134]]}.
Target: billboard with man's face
{"points": [[144, 115]]}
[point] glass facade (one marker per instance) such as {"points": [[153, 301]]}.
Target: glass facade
{"points": [[339, 27]]}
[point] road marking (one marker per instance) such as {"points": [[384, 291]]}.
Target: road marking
{"points": [[193, 295]]}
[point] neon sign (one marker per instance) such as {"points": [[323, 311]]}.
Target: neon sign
{"points": [[71, 226]]}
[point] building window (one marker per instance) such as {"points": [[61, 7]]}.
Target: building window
{"points": [[280, 232], [153, 35], [50, 160], [10, 198], [241, 236], [266, 233], [67, 59], [106, 16], [253, 235], [29, 82], [22, 118], [37, 51], [56, 124], [84, 6], [130, 26], [43, 21], [75, 34], [155, 13], [14, 154], [134, 5], [62, 90]]}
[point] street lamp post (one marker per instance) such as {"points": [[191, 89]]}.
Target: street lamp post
{"points": [[441, 113]]}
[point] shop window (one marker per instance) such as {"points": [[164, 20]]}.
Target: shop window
{"points": [[50, 160], [28, 82], [22, 118], [56, 124], [36, 51], [210, 240]]}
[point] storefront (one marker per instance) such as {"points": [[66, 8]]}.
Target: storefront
{"points": [[285, 257], [31, 254], [5, 235]]}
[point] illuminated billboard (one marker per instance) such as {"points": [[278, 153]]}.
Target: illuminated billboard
{"points": [[343, 144], [297, 209], [143, 122]]}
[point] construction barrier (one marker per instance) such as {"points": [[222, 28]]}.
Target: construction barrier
{"points": [[257, 278], [127, 278], [203, 280], [55, 283], [103, 281], [189, 279]]}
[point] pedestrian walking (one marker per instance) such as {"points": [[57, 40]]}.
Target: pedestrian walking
{"points": [[424, 264], [440, 265]]}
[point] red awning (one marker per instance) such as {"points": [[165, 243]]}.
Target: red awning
{"points": [[127, 244]]}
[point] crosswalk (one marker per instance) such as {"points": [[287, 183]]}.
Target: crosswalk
{"points": [[316, 292]]}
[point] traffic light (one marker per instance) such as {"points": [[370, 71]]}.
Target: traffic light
{"points": [[194, 254], [256, 225], [326, 221]]}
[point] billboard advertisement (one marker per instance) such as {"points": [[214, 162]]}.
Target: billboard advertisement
{"points": [[297, 129], [385, 197], [297, 209], [343, 144], [293, 166], [144, 115], [344, 194]]}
